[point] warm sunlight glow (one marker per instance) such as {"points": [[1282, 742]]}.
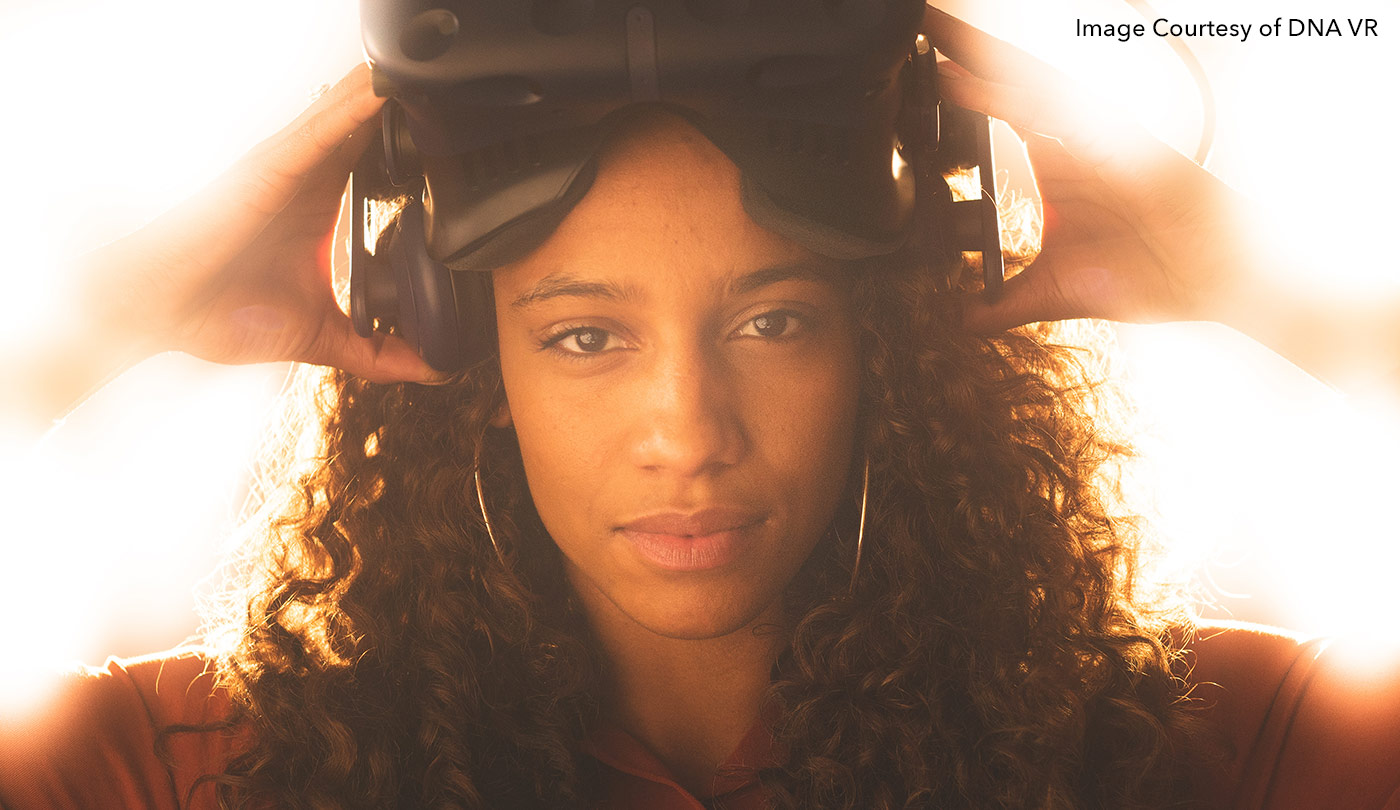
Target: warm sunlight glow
{"points": [[1299, 128], [120, 513], [116, 111], [140, 104], [1277, 485], [1273, 484], [114, 520], [1319, 172]]}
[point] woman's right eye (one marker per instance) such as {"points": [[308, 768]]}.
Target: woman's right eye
{"points": [[582, 340]]}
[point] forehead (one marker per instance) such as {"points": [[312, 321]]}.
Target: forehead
{"points": [[665, 208]]}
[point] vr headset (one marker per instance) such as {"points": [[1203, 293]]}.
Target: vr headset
{"points": [[497, 109]]}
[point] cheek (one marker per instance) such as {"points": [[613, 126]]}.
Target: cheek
{"points": [[569, 432], [804, 418], [802, 412], [796, 412], [558, 434]]}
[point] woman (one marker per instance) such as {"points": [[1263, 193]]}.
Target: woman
{"points": [[722, 524]]}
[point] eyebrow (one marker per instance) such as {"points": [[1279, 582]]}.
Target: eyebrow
{"points": [[560, 284], [797, 271]]}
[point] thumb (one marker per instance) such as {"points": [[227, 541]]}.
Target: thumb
{"points": [[379, 358], [1028, 297]]}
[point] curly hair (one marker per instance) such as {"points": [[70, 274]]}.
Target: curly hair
{"points": [[993, 652]]}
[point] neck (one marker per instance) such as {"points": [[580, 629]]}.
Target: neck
{"points": [[689, 701]]}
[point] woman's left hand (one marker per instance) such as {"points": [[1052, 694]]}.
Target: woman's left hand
{"points": [[1134, 231]]}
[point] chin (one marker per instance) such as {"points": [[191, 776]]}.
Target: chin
{"points": [[698, 616]]}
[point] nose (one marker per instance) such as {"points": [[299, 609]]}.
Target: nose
{"points": [[690, 422]]}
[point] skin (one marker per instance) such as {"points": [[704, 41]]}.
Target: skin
{"points": [[1135, 232], [663, 353], [688, 409], [238, 273]]}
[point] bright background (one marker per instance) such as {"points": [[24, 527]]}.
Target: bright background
{"points": [[1276, 490]]}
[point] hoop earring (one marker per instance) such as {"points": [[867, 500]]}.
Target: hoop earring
{"points": [[481, 502], [860, 533]]}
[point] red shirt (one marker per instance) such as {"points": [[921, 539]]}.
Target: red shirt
{"points": [[1312, 727]]}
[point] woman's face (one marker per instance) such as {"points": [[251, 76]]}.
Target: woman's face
{"points": [[683, 384]]}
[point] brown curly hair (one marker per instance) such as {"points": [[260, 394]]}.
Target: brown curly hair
{"points": [[992, 652]]}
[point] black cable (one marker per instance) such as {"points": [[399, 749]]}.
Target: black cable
{"points": [[1198, 73]]}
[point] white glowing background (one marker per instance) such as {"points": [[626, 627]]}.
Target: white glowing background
{"points": [[116, 111], [1282, 488]]}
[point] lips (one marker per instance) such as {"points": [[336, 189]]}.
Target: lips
{"points": [[705, 521], [693, 541]]}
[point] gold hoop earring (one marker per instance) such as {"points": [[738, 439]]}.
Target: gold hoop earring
{"points": [[481, 502], [860, 533]]}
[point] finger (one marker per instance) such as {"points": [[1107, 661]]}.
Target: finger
{"points": [[319, 132], [338, 165], [380, 358], [221, 220], [280, 165], [1093, 133], [324, 186], [1025, 298], [1049, 158], [985, 55]]}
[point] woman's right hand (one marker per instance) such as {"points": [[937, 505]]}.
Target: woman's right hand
{"points": [[240, 273]]}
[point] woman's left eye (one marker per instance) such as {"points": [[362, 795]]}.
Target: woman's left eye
{"points": [[776, 324]]}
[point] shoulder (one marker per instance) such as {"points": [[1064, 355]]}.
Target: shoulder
{"points": [[93, 741], [1309, 722]]}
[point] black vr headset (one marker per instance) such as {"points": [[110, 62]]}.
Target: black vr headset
{"points": [[498, 107]]}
